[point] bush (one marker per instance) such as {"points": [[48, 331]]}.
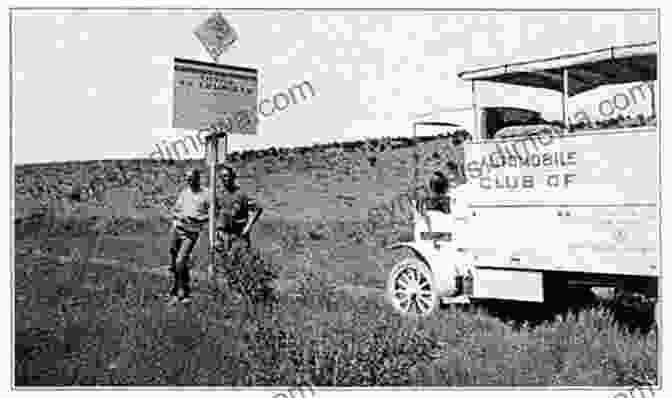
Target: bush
{"points": [[250, 274], [319, 231]]}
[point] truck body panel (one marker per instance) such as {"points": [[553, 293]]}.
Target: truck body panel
{"points": [[603, 218]]}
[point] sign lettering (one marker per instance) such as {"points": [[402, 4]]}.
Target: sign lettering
{"points": [[209, 94]]}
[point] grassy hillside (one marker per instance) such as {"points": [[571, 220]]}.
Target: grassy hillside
{"points": [[330, 212], [320, 182]]}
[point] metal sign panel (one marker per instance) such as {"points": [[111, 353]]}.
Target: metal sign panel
{"points": [[216, 35], [207, 95]]}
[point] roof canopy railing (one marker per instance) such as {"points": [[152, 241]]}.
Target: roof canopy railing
{"points": [[586, 71]]}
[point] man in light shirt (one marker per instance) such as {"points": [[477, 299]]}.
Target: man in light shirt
{"points": [[456, 189], [458, 140], [190, 215], [458, 193]]}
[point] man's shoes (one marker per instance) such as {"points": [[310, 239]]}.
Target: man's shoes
{"points": [[173, 300]]}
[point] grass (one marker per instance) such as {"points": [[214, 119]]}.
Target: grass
{"points": [[80, 324]]}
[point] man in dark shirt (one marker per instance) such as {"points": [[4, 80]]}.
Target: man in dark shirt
{"points": [[443, 188], [437, 198], [236, 213]]}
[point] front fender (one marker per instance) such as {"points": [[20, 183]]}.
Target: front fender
{"points": [[421, 250], [445, 263]]}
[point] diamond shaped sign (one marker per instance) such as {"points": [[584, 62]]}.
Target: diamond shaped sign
{"points": [[216, 35]]}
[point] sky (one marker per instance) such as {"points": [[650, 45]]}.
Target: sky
{"points": [[98, 84]]}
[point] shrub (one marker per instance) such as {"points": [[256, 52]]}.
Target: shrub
{"points": [[319, 231], [250, 274]]}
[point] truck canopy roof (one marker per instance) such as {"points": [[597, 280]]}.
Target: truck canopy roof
{"points": [[437, 124], [587, 70]]}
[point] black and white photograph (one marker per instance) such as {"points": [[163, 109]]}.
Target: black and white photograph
{"points": [[306, 199]]}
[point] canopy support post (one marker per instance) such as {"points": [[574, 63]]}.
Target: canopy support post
{"points": [[415, 162], [477, 116], [652, 87], [565, 92]]}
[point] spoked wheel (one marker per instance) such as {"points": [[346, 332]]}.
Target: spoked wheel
{"points": [[411, 288]]}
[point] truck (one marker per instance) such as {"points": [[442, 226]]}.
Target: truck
{"points": [[549, 208]]}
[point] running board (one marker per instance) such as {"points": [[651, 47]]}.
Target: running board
{"points": [[455, 300]]}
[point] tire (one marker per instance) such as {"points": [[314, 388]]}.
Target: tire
{"points": [[562, 299], [411, 288], [633, 310]]}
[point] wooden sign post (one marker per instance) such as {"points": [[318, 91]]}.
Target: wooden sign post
{"points": [[213, 206], [213, 159], [221, 99]]}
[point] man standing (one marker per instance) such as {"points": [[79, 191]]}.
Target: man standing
{"points": [[237, 213], [458, 140], [457, 188], [443, 192], [190, 215], [437, 198]]}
